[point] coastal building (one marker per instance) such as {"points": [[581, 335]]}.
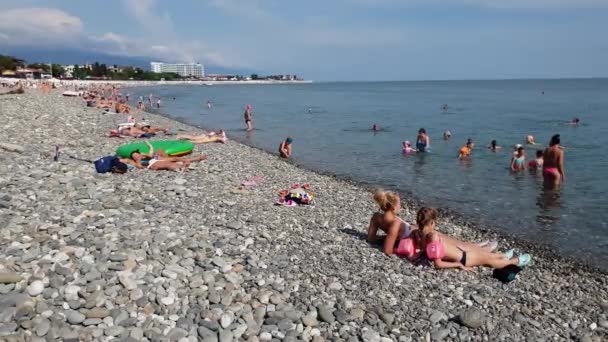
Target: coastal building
{"points": [[182, 69]]}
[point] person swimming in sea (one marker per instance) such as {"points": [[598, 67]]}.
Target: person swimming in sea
{"points": [[375, 128], [422, 140], [493, 146], [575, 121], [407, 147], [447, 135], [530, 140], [470, 143]]}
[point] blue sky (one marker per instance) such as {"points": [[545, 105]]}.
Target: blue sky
{"points": [[332, 39]]}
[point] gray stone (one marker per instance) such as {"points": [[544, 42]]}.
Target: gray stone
{"points": [[326, 314], [370, 336], [42, 326], [226, 319], [74, 317], [35, 288], [10, 277], [7, 328], [226, 336], [207, 335], [212, 325], [12, 147], [91, 321], [440, 335], [236, 225], [472, 318], [176, 334], [114, 330], [437, 316]]}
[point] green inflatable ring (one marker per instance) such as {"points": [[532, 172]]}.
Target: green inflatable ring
{"points": [[171, 147]]}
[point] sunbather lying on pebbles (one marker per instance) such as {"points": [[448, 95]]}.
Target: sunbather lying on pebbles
{"points": [[159, 160], [445, 253], [388, 221], [205, 138]]}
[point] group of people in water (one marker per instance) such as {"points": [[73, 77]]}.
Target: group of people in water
{"points": [[550, 160]]}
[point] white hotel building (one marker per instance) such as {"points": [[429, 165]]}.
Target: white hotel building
{"points": [[182, 69]]}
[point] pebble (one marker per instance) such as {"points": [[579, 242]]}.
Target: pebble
{"points": [[75, 317], [9, 278], [472, 318], [35, 288], [326, 314]]}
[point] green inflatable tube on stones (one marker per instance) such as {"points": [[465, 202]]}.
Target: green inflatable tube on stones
{"points": [[171, 147]]}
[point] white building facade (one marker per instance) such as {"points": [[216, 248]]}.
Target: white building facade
{"points": [[182, 69]]}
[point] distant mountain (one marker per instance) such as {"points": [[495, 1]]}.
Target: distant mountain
{"points": [[77, 56]]}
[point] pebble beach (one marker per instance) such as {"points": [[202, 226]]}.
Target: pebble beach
{"points": [[194, 256]]}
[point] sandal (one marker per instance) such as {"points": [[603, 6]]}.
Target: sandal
{"points": [[524, 260]]}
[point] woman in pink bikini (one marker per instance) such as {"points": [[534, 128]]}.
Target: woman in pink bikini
{"points": [[395, 228], [553, 165], [444, 253]]}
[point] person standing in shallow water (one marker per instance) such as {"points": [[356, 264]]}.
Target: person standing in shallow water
{"points": [[422, 140], [248, 117], [553, 163]]}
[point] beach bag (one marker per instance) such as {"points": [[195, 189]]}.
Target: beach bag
{"points": [[107, 164]]}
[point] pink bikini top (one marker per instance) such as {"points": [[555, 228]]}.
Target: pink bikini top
{"points": [[435, 250]]}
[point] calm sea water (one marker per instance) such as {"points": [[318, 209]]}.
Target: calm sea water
{"points": [[330, 124]]}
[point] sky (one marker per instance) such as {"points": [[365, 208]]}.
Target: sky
{"points": [[331, 39]]}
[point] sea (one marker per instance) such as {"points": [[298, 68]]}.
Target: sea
{"points": [[331, 123]]}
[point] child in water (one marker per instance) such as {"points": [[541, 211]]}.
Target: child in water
{"points": [[518, 161], [444, 253], [407, 147], [537, 164]]}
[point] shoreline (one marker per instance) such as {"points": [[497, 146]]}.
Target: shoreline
{"points": [[162, 255], [411, 201], [138, 83]]}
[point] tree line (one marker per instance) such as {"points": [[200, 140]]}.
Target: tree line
{"points": [[97, 70]]}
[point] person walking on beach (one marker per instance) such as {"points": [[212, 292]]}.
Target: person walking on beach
{"points": [[285, 148], [158, 103], [248, 116], [553, 165], [127, 96], [422, 140], [150, 99]]}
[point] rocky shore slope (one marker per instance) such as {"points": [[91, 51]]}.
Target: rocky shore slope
{"points": [[164, 256]]}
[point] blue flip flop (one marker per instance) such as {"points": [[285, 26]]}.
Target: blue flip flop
{"points": [[524, 260], [509, 254]]}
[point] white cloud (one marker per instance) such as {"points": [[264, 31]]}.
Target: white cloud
{"points": [[57, 28], [530, 4], [24, 26]]}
